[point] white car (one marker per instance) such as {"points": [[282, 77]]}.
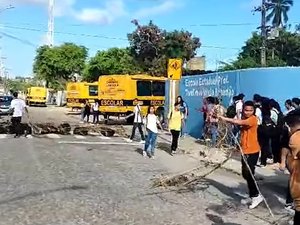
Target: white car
{"points": [[5, 102]]}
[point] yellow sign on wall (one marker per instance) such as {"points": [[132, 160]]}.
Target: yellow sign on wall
{"points": [[175, 69]]}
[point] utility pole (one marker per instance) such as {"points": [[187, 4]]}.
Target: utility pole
{"points": [[50, 34], [263, 34], [2, 68]]}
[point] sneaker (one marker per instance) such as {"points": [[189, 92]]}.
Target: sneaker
{"points": [[145, 154], [256, 201], [173, 152], [129, 140], [270, 161], [246, 201], [152, 157], [289, 206], [142, 142]]}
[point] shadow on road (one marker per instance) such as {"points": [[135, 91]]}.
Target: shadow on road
{"points": [[217, 220], [38, 193]]}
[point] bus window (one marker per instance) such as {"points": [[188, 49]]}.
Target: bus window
{"points": [[143, 88], [93, 90], [158, 88]]}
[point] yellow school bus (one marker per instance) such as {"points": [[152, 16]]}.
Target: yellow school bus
{"points": [[79, 92], [118, 92], [36, 96]]}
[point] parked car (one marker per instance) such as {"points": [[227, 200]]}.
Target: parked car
{"points": [[5, 102]]}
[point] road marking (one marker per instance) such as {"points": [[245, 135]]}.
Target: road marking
{"points": [[98, 143], [79, 137], [53, 136], [104, 138], [3, 136]]}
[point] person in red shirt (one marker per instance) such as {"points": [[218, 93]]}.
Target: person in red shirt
{"points": [[250, 148]]}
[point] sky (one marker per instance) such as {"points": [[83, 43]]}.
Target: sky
{"points": [[223, 26]]}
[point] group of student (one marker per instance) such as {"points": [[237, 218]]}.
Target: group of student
{"points": [[176, 122], [269, 134], [89, 109]]}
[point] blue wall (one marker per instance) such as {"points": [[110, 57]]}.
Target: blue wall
{"points": [[277, 83]]}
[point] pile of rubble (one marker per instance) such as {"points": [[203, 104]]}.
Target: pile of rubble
{"points": [[62, 129]]}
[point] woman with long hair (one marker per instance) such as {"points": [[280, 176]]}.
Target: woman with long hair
{"points": [[176, 120], [151, 126], [184, 110]]}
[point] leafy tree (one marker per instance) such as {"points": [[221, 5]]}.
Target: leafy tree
{"points": [[278, 11], [151, 46], [297, 28], [60, 62], [181, 44], [281, 51], [111, 61], [19, 85]]}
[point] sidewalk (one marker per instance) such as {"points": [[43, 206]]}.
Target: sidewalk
{"points": [[193, 150]]}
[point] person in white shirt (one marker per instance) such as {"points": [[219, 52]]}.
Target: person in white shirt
{"points": [[95, 108], [17, 107], [239, 106], [257, 104], [151, 124], [289, 106], [137, 122]]}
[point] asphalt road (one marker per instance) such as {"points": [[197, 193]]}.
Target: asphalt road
{"points": [[73, 180]]}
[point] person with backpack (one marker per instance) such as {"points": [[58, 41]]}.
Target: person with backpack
{"points": [[176, 120], [184, 111], [137, 122], [265, 132], [152, 122], [277, 119], [231, 110]]}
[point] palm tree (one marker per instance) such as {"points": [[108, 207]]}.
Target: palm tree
{"points": [[278, 11]]}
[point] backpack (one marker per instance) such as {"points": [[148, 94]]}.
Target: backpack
{"points": [[231, 111], [280, 120]]}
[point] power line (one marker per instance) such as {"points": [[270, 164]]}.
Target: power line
{"points": [[26, 42], [222, 24], [100, 36], [217, 47], [67, 33]]}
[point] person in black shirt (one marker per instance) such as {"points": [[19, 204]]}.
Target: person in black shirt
{"points": [[285, 151]]}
